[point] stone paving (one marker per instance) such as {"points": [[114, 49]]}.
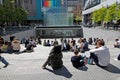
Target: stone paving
{"points": [[27, 66]]}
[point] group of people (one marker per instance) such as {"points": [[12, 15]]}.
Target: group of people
{"points": [[69, 45], [100, 56], [13, 46]]}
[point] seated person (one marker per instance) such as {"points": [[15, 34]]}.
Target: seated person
{"points": [[4, 47], [101, 54], [73, 45], [44, 43], [48, 43], [33, 42], [9, 48], [55, 42], [16, 45], [81, 45], [90, 41], [85, 46], [77, 60], [29, 48], [55, 58], [117, 43]]}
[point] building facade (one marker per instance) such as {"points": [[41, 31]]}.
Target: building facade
{"points": [[74, 6], [35, 7], [90, 6]]}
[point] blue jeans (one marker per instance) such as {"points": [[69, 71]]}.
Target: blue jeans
{"points": [[2, 59]]}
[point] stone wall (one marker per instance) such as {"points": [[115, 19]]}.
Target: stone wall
{"points": [[20, 35]]}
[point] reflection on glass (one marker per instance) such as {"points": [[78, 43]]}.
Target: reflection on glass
{"points": [[58, 33], [58, 16]]}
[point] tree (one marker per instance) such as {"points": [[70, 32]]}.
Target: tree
{"points": [[118, 12], [21, 14], [112, 13], [99, 14], [9, 13], [95, 16], [102, 13]]}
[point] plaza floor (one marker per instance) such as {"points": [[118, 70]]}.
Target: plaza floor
{"points": [[27, 66]]}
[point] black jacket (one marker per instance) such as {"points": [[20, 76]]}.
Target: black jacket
{"points": [[55, 57], [77, 61]]}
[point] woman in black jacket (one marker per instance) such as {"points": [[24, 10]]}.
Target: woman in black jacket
{"points": [[55, 58]]}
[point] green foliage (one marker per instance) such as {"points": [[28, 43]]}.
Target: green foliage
{"points": [[118, 16], [107, 14], [111, 13], [94, 16], [118, 12], [21, 14], [102, 13], [99, 15], [78, 18], [10, 13]]}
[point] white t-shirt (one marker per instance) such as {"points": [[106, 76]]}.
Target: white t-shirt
{"points": [[103, 55]]}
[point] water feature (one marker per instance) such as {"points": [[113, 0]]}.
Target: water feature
{"points": [[58, 23]]}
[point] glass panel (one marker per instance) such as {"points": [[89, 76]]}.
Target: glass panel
{"points": [[58, 17], [59, 33]]}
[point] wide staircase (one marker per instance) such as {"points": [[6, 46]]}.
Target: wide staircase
{"points": [[13, 29]]}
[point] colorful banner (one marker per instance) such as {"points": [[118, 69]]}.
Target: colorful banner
{"points": [[48, 3]]}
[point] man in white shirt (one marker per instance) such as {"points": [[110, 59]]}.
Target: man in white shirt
{"points": [[101, 54]]}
